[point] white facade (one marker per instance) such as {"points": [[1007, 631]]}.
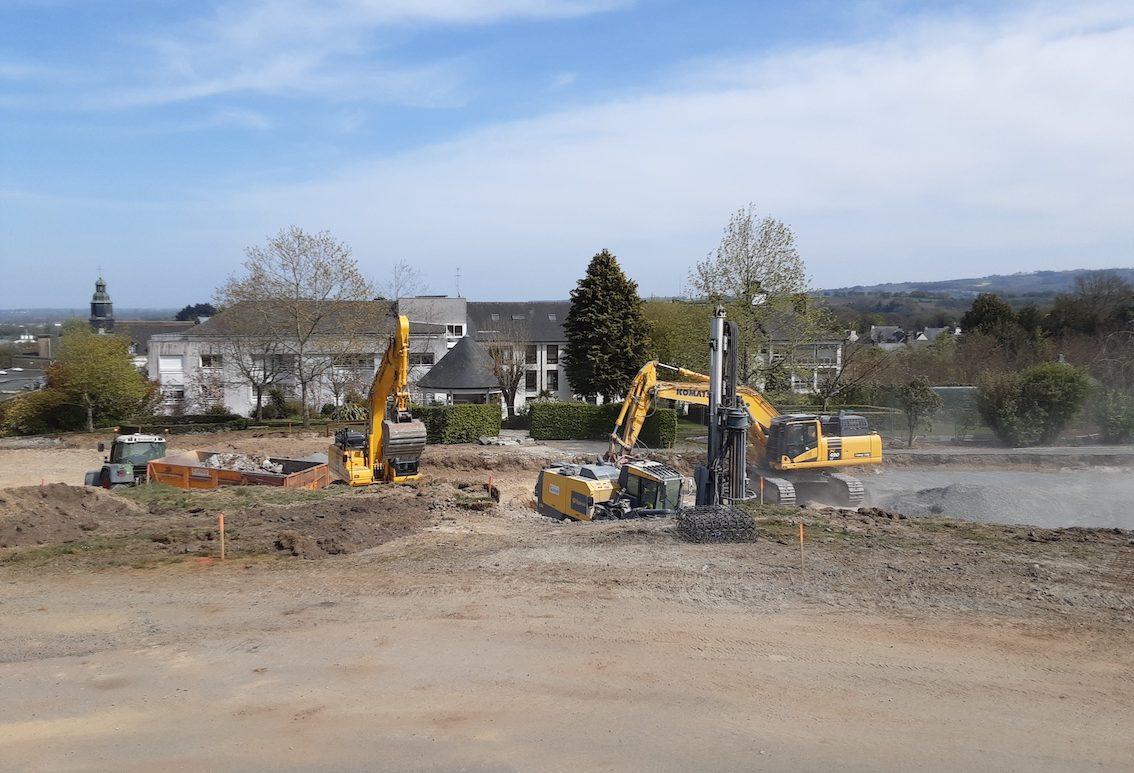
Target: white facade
{"points": [[198, 373]]}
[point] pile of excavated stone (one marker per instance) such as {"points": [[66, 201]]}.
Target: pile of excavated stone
{"points": [[244, 463]]}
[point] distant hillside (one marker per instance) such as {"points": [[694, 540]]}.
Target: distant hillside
{"points": [[1033, 284], [919, 304], [41, 315]]}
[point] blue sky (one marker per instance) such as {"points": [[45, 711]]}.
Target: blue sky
{"points": [[515, 138]]}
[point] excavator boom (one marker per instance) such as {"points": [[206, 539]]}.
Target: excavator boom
{"points": [[390, 450]]}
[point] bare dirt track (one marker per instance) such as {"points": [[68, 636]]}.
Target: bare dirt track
{"points": [[433, 631]]}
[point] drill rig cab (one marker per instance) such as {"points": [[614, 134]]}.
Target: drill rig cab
{"points": [[598, 492], [390, 450]]}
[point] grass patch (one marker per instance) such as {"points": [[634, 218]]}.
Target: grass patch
{"points": [[687, 430], [160, 497], [40, 556]]}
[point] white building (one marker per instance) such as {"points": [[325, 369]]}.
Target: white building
{"points": [[532, 330], [220, 362]]}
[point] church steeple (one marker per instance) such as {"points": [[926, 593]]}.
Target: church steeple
{"points": [[102, 309]]}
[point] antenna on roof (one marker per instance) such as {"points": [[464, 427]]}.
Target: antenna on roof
{"points": [[458, 281]]}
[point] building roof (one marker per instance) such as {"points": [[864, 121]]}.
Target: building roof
{"points": [[16, 381], [139, 331], [889, 334], [246, 318], [522, 320], [467, 365], [931, 333]]}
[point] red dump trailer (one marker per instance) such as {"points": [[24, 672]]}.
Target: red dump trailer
{"points": [[187, 470]]}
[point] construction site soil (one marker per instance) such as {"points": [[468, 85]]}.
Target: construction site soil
{"points": [[442, 628]]}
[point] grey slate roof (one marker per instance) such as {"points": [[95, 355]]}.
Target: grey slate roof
{"points": [[139, 331], [887, 334], [365, 317], [466, 366], [524, 320]]}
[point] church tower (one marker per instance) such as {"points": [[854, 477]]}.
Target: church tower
{"points": [[102, 310]]}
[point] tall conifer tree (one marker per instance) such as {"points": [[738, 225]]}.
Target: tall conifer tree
{"points": [[606, 331]]}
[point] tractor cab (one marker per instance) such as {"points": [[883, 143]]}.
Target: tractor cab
{"points": [[126, 464]]}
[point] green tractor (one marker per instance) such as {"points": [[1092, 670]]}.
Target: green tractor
{"points": [[126, 465]]}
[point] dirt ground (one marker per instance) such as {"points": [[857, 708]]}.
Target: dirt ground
{"points": [[429, 628]]}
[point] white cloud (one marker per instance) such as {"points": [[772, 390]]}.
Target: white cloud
{"points": [[331, 49], [946, 148]]}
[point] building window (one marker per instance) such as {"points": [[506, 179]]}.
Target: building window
{"points": [[551, 317], [495, 317], [353, 361], [553, 381], [530, 381], [530, 354], [210, 361], [455, 331], [517, 317], [421, 358], [173, 394], [553, 354], [167, 364]]}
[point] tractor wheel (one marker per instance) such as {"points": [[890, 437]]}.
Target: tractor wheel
{"points": [[715, 524]]}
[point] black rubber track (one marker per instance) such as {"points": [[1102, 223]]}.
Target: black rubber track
{"points": [[715, 524]]}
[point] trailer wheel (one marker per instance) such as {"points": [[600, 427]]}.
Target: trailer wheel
{"points": [[715, 524]]}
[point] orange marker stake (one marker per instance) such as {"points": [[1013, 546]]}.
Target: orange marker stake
{"points": [[801, 546], [220, 528], [761, 489]]}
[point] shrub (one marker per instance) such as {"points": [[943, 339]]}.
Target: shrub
{"points": [[279, 407], [458, 423], [217, 410], [1032, 407], [920, 403], [1114, 413], [583, 421], [327, 409], [45, 410], [349, 412]]}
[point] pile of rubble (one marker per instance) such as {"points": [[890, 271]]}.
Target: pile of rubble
{"points": [[244, 463]]}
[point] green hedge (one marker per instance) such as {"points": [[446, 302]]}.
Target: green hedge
{"points": [[583, 421], [458, 423]]}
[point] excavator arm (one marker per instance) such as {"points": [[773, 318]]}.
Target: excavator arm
{"points": [[392, 446], [646, 388], [391, 378]]}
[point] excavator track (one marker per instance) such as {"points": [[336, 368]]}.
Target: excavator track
{"points": [[779, 491], [847, 490]]}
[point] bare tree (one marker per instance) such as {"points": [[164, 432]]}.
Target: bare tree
{"points": [[351, 373], [258, 361], [204, 390], [306, 292], [507, 348], [757, 272], [402, 280], [860, 364]]}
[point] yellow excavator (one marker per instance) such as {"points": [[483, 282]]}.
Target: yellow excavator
{"points": [[391, 448], [796, 455]]}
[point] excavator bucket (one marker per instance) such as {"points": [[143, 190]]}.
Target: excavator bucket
{"points": [[402, 445]]}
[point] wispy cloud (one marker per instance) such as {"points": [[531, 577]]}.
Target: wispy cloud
{"points": [[932, 150], [563, 79], [299, 48]]}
